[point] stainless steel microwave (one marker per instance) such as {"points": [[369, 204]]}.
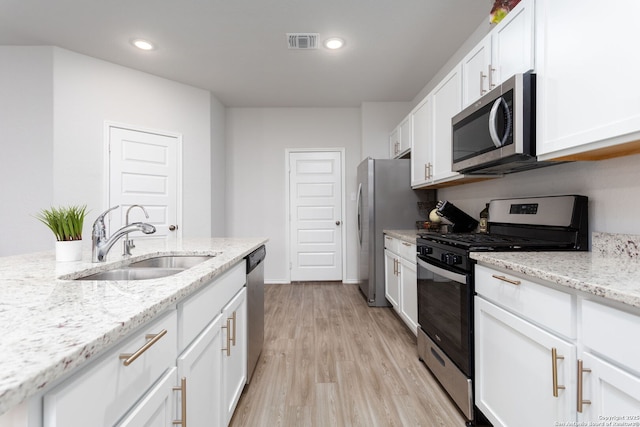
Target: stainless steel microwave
{"points": [[496, 134]]}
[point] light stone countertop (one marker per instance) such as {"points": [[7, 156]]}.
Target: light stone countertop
{"points": [[611, 270], [408, 236], [52, 326]]}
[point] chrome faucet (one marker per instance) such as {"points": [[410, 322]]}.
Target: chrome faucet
{"points": [[127, 243], [101, 244]]}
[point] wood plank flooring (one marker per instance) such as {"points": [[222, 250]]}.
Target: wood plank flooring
{"points": [[330, 360]]}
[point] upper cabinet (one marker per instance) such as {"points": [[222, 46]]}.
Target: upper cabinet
{"points": [[507, 50], [400, 139], [587, 67]]}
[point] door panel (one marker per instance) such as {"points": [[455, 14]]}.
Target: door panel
{"points": [[143, 170], [315, 203]]}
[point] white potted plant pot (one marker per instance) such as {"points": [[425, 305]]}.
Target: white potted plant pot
{"points": [[70, 250]]}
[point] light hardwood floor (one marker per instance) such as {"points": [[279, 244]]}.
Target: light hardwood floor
{"points": [[330, 360]]}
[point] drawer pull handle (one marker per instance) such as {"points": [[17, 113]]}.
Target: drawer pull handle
{"points": [[183, 402], [581, 401], [505, 279], [554, 371], [129, 358], [228, 328], [233, 337], [406, 244]]}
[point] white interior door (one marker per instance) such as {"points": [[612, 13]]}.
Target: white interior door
{"points": [[315, 209], [144, 170]]}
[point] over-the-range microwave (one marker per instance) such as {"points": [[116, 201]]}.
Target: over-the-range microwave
{"points": [[496, 134]]}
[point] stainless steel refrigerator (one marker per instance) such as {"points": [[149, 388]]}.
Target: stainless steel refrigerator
{"points": [[385, 201]]}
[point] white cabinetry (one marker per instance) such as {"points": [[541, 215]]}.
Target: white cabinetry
{"points": [[234, 356], [507, 50], [609, 370], [400, 139], [528, 349], [401, 284], [156, 407], [588, 106], [431, 152], [112, 386]]}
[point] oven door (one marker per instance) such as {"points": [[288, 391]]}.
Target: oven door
{"points": [[444, 311]]}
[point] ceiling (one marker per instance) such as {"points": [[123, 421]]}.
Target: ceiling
{"points": [[238, 50]]}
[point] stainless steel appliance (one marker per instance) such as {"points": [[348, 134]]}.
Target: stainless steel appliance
{"points": [[255, 308], [496, 134], [446, 284], [384, 200]]}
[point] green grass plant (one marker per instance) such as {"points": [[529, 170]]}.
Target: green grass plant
{"points": [[65, 222]]}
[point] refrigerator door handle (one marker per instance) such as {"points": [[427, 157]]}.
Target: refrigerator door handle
{"points": [[359, 207]]}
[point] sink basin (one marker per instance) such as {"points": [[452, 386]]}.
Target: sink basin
{"points": [[171, 261], [132, 274], [151, 268]]}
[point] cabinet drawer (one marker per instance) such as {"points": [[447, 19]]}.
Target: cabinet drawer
{"points": [[391, 243], [101, 394], [548, 307], [612, 333], [407, 251], [195, 313]]}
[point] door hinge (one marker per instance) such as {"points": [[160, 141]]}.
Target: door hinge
{"points": [[290, 266]]}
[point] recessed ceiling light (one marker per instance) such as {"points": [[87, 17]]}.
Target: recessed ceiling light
{"points": [[334, 43], [143, 44]]}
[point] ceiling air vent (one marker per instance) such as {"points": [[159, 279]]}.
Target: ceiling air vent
{"points": [[303, 40]]}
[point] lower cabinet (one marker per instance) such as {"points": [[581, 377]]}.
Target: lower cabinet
{"points": [[401, 282], [547, 357], [517, 380], [188, 367]]}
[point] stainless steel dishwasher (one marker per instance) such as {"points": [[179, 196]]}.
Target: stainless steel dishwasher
{"points": [[255, 308]]}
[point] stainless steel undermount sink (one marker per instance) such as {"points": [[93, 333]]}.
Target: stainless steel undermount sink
{"points": [[151, 268]]}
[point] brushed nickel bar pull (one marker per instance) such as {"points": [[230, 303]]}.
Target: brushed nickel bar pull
{"points": [[234, 318], [505, 279], [228, 327], [581, 401], [554, 371], [129, 358], [406, 244], [491, 84], [482, 77], [426, 174], [183, 400]]}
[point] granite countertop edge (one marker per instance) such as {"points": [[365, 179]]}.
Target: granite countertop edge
{"points": [[54, 325]]}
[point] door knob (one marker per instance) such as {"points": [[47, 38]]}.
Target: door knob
{"points": [[338, 222], [173, 227]]}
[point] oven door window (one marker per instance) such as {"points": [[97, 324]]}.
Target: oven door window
{"points": [[444, 302]]}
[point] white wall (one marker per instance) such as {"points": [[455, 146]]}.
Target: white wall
{"points": [[612, 186], [256, 142], [26, 146], [218, 168], [378, 120], [53, 134], [88, 92]]}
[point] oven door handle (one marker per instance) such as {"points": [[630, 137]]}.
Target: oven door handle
{"points": [[456, 277]]}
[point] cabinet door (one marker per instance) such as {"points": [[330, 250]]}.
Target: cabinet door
{"points": [[421, 150], [201, 365], [156, 407], [447, 102], [512, 49], [234, 355], [475, 69], [611, 391], [585, 89], [391, 282], [514, 381], [394, 143], [405, 135], [409, 294]]}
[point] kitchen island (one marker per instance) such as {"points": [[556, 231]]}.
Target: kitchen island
{"points": [[53, 325]]}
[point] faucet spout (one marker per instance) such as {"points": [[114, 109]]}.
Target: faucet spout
{"points": [[127, 243], [101, 244]]}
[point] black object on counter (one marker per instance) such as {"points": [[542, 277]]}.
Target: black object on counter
{"points": [[462, 223]]}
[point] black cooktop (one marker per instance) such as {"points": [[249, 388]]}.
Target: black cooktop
{"points": [[486, 241]]}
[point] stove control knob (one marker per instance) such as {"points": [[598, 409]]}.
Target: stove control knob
{"points": [[451, 259], [425, 250]]}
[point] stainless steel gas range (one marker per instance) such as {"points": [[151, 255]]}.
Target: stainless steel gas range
{"points": [[446, 283]]}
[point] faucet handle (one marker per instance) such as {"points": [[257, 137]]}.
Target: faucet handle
{"points": [[99, 222]]}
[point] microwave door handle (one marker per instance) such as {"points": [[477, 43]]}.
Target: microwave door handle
{"points": [[493, 122]]}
